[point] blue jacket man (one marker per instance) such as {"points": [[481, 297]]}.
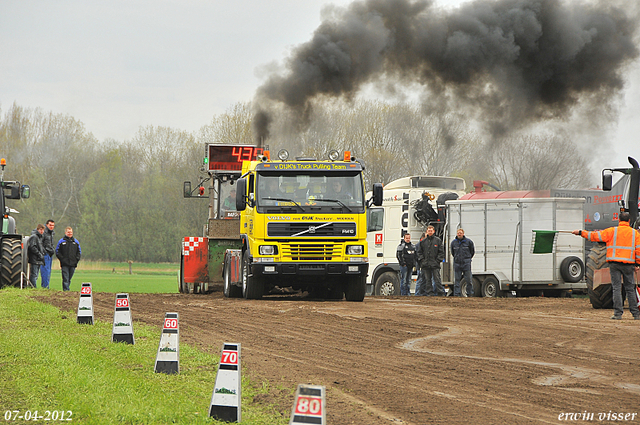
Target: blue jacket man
{"points": [[49, 252], [406, 255], [463, 250], [68, 252]]}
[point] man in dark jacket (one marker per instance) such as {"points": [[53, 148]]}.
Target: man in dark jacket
{"points": [[68, 252], [35, 254], [49, 252], [406, 255], [463, 250], [430, 254]]}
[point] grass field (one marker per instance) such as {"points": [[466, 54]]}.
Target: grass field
{"points": [[50, 363], [115, 277]]}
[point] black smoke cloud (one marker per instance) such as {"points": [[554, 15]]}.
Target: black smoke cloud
{"points": [[507, 63]]}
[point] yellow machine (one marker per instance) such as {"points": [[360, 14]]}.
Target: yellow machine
{"points": [[303, 225]]}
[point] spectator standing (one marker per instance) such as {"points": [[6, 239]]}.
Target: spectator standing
{"points": [[35, 254], [623, 254], [68, 252], [406, 255], [420, 282], [430, 254], [49, 252], [463, 250]]}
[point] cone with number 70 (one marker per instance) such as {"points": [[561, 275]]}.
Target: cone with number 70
{"points": [[227, 392]]}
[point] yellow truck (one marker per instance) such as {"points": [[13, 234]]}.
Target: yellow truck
{"points": [[303, 225]]}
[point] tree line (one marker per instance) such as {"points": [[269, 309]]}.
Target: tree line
{"points": [[124, 198]]}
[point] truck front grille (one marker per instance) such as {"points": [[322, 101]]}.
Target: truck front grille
{"points": [[310, 251]]}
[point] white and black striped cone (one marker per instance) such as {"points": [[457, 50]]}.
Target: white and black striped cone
{"points": [[85, 305], [168, 358], [122, 321], [308, 406], [227, 392]]}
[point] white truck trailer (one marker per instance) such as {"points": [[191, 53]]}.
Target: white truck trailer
{"points": [[499, 223], [502, 231]]}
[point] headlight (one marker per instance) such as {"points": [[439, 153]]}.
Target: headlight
{"points": [[355, 249], [268, 250]]}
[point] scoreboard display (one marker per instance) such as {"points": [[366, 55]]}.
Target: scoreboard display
{"points": [[229, 157]]}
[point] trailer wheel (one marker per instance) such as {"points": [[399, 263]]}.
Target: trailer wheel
{"points": [[477, 287], [356, 288], [464, 288], [11, 263], [572, 269], [230, 290], [491, 288], [387, 283], [602, 295], [252, 287], [181, 275]]}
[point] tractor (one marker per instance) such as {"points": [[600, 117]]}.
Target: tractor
{"points": [[11, 263]]}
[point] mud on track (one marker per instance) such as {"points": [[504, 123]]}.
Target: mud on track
{"points": [[405, 360]]}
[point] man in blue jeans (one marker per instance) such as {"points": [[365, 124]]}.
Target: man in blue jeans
{"points": [[406, 255], [68, 252], [463, 250], [49, 251]]}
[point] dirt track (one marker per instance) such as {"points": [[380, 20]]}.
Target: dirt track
{"points": [[405, 360]]}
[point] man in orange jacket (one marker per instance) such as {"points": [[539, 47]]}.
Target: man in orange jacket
{"points": [[623, 255]]}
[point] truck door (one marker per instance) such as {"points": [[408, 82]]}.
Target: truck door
{"points": [[375, 236]]}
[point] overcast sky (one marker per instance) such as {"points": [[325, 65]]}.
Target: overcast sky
{"points": [[120, 64]]}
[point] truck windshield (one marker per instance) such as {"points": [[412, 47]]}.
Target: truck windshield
{"points": [[294, 192]]}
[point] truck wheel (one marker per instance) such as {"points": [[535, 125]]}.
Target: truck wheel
{"points": [[356, 288], [252, 287], [572, 269], [602, 295], [387, 283], [491, 288], [11, 263], [230, 290], [336, 292]]}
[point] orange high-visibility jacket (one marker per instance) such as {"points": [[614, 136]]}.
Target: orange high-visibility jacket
{"points": [[623, 242]]}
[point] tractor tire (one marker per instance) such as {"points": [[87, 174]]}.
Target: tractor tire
{"points": [[356, 288], [252, 287], [387, 283], [601, 296], [230, 290], [572, 269], [11, 263]]}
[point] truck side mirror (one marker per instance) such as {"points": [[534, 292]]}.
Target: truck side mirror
{"points": [[607, 180], [186, 190], [377, 194], [25, 191], [241, 194]]}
